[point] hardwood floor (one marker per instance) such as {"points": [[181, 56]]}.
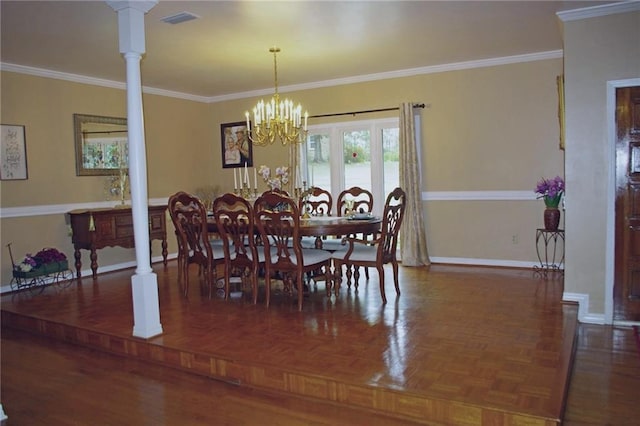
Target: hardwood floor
{"points": [[48, 382], [605, 379], [461, 345]]}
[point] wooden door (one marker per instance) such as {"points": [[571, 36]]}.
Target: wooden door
{"points": [[626, 287]]}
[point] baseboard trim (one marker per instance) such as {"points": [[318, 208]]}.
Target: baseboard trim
{"points": [[484, 262], [6, 288]]}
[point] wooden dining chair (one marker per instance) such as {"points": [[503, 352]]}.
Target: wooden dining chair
{"points": [[355, 200], [361, 198], [277, 218], [235, 224], [377, 252], [189, 218], [316, 202]]}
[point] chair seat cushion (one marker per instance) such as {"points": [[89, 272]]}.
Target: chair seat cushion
{"points": [[217, 250], [334, 244], [330, 244], [308, 242], [260, 250], [311, 256], [360, 253]]}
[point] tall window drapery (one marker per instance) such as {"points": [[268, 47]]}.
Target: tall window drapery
{"points": [[413, 239]]}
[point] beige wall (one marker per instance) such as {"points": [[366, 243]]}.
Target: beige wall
{"points": [[597, 50], [178, 136], [486, 129]]}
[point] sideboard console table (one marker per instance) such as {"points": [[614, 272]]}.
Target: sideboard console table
{"points": [[94, 229]]}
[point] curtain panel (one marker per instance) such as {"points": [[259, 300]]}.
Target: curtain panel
{"points": [[413, 239]]}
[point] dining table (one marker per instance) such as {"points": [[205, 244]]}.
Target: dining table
{"points": [[320, 226]]}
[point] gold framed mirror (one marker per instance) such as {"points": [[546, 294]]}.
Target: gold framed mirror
{"points": [[102, 146]]}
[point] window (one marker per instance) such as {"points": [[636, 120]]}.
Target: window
{"points": [[363, 153]]}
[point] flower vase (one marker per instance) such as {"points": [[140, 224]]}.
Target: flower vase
{"points": [[551, 218]]}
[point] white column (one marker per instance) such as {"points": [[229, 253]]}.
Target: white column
{"points": [[144, 283]]}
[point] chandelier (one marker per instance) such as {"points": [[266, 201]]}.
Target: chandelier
{"points": [[277, 119]]}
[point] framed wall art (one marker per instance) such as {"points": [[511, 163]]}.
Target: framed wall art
{"points": [[13, 158], [237, 149], [102, 145]]}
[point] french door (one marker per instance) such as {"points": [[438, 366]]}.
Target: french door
{"points": [[364, 153]]}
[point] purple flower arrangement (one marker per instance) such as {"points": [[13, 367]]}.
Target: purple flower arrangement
{"points": [[43, 257], [551, 191], [27, 264], [49, 255]]}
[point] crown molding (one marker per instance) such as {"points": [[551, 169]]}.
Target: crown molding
{"points": [[456, 66], [600, 10], [82, 79]]}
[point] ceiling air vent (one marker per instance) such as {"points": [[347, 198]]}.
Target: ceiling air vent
{"points": [[179, 17]]}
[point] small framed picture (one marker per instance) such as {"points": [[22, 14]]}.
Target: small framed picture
{"points": [[13, 158], [237, 149]]}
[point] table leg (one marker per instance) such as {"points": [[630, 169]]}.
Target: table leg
{"points": [[94, 263], [78, 256], [164, 251], [337, 279]]}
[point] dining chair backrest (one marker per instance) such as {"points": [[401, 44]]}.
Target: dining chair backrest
{"points": [[235, 224], [189, 217], [392, 216], [277, 219], [318, 202], [234, 221], [277, 191], [362, 201]]}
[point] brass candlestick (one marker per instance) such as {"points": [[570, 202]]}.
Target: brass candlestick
{"points": [[246, 192], [305, 196]]}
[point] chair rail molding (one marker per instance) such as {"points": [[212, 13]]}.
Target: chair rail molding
{"points": [[50, 209]]}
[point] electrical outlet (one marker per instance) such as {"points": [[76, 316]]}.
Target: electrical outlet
{"points": [[515, 239]]}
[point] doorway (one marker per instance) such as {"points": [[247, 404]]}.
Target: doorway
{"points": [[626, 280]]}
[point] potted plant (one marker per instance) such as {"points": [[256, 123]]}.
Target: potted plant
{"points": [[551, 191], [46, 261]]}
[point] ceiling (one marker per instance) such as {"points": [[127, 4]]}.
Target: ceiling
{"points": [[226, 50]]}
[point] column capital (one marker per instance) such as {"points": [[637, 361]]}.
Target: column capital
{"points": [[131, 23], [142, 6]]}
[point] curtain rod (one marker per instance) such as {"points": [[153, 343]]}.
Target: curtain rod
{"points": [[363, 112]]}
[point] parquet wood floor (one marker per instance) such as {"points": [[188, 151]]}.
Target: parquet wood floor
{"points": [[461, 345]]}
